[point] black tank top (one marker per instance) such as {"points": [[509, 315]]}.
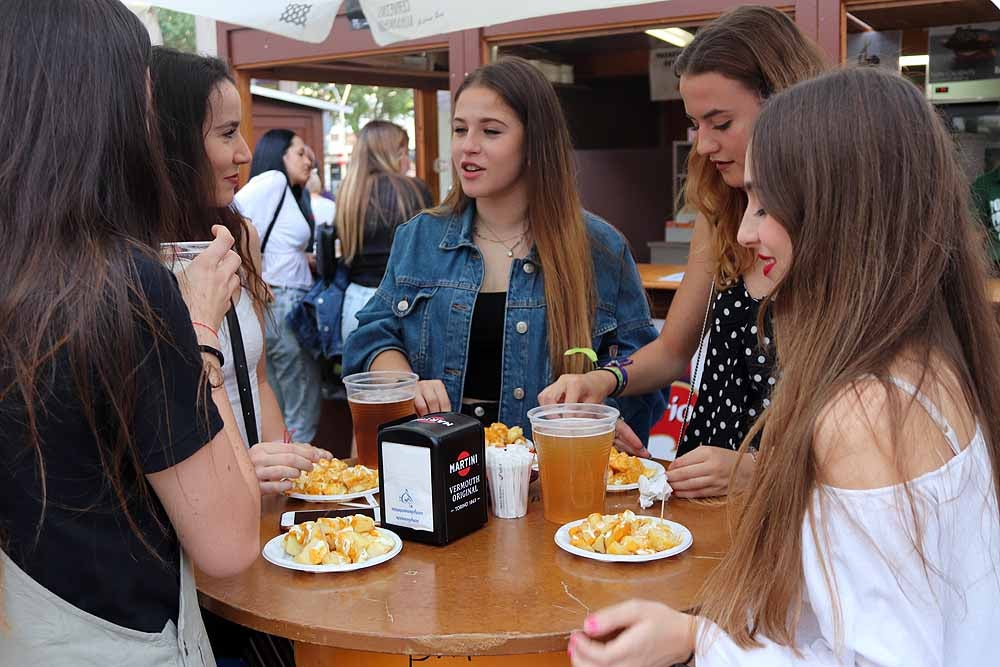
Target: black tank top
{"points": [[485, 362]]}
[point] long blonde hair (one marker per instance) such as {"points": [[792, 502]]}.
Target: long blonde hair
{"points": [[862, 173], [555, 214], [765, 51], [377, 154]]}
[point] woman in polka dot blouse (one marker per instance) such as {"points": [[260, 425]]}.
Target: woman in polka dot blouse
{"points": [[726, 74]]}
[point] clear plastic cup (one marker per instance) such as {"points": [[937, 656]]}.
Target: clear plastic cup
{"points": [[508, 470], [177, 255], [573, 441], [376, 398]]}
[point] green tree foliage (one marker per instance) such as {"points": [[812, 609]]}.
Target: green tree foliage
{"points": [[178, 30], [369, 102]]}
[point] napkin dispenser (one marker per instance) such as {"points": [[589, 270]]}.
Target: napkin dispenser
{"points": [[432, 477]]}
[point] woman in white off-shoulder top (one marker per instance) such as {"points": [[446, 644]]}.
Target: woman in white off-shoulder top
{"points": [[870, 534]]}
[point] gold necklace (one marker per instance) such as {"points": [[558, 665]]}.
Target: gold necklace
{"points": [[496, 239]]}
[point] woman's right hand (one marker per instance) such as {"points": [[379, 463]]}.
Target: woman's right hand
{"points": [[276, 463], [211, 280], [592, 387], [431, 397]]}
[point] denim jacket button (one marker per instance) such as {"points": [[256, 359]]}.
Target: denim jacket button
{"points": [[529, 267], [479, 411], [522, 327], [403, 305], [519, 393], [320, 301]]}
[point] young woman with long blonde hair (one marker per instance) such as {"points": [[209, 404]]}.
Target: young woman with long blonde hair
{"points": [[483, 296], [870, 534], [726, 74], [373, 200]]}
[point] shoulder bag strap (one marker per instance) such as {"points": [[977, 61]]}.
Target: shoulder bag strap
{"points": [[242, 375], [270, 227]]}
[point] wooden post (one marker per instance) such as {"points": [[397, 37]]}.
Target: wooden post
{"points": [[823, 22], [426, 124], [243, 78]]}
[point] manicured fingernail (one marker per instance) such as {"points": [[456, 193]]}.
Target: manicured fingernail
{"points": [[569, 649], [590, 625]]}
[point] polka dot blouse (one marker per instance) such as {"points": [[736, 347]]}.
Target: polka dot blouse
{"points": [[737, 379]]}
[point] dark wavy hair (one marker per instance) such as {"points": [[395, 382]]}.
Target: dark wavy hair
{"points": [[183, 84], [84, 195]]}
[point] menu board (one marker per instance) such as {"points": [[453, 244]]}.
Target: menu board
{"points": [[964, 53]]}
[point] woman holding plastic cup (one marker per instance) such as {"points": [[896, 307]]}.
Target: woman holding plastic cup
{"points": [[199, 113], [484, 295], [118, 475]]}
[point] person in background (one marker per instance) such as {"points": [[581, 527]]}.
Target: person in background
{"points": [[375, 197], [986, 198], [199, 111], [271, 200], [870, 534], [726, 75], [119, 477], [323, 209], [483, 296]]}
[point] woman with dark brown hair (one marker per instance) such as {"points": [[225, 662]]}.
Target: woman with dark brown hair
{"points": [[118, 476], [726, 74], [870, 534], [483, 296]]}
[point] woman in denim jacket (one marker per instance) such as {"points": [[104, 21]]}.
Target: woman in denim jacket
{"points": [[482, 296]]}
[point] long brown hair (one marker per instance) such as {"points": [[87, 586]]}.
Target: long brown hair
{"points": [[377, 155], [762, 49], [862, 173], [84, 193], [555, 214], [183, 84]]}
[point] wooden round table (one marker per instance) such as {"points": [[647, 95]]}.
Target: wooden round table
{"points": [[506, 590]]}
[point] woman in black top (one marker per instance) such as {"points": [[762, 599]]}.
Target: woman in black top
{"points": [[117, 471], [375, 197]]}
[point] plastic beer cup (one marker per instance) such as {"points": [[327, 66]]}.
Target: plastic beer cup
{"points": [[376, 398], [573, 441]]}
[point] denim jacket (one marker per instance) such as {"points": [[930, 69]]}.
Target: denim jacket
{"points": [[423, 308]]}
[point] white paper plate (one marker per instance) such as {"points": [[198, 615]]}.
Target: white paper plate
{"points": [[562, 541], [649, 463], [334, 499], [274, 552]]}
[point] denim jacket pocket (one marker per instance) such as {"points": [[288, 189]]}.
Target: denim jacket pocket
{"points": [[412, 306]]}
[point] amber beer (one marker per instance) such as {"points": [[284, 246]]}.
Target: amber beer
{"points": [[377, 398], [573, 442]]}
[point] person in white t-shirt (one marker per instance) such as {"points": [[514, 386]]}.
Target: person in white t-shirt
{"points": [[323, 209], [272, 201]]}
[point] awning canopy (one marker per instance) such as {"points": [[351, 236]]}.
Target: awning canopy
{"points": [[390, 20]]}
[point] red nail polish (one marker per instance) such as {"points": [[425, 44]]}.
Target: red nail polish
{"points": [[590, 625]]}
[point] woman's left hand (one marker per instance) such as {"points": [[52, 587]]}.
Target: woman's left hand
{"points": [[705, 471], [650, 634]]}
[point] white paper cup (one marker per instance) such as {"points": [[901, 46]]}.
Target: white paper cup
{"points": [[508, 470]]}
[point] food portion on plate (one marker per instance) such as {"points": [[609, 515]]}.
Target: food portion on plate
{"points": [[499, 434], [333, 477], [623, 534], [627, 469], [336, 541]]}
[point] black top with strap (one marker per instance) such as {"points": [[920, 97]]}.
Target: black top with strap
{"points": [[738, 374]]}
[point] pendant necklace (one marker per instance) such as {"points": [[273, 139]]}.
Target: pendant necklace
{"points": [[509, 248]]}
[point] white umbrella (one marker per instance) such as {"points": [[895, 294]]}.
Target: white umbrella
{"points": [[390, 20]]}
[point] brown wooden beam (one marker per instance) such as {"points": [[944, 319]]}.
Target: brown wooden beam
{"points": [[466, 52], [426, 127], [358, 75]]}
